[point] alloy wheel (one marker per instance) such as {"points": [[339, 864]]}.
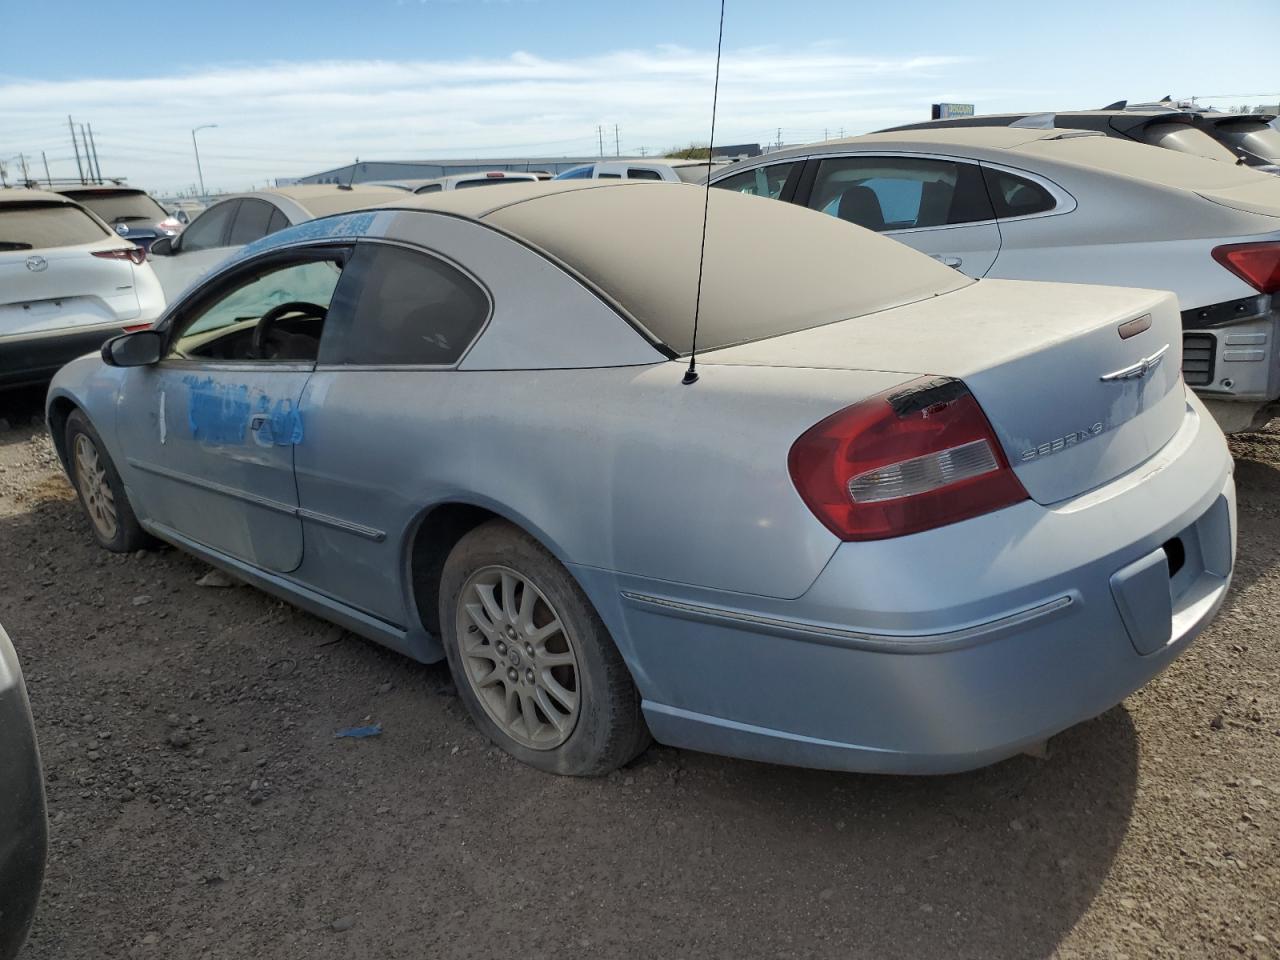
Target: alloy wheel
{"points": [[518, 656], [91, 478]]}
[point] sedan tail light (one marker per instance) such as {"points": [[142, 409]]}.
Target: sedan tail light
{"points": [[1257, 264], [133, 254], [919, 456]]}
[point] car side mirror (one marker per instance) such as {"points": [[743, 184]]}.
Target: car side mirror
{"points": [[138, 349], [162, 247]]}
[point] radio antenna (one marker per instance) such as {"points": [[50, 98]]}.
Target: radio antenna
{"points": [[691, 375]]}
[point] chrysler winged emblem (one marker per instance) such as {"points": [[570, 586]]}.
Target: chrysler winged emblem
{"points": [[1136, 371], [37, 264]]}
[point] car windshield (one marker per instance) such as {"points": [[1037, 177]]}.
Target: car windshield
{"points": [[38, 226], [576, 173], [695, 172], [120, 206]]}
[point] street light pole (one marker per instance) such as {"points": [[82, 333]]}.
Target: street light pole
{"points": [[196, 148]]}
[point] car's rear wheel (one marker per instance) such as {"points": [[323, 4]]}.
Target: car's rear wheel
{"points": [[531, 658], [100, 489]]}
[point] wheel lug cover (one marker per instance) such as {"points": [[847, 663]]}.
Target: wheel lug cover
{"points": [[511, 633], [528, 648], [528, 675], [502, 649], [513, 674]]}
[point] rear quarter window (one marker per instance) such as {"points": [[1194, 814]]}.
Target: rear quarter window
{"points": [[1015, 196], [397, 306], [39, 226]]}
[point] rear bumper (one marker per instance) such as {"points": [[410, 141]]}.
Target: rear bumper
{"points": [[1231, 357], [36, 357], [951, 649], [23, 827]]}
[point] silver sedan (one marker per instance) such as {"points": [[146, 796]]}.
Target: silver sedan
{"points": [[901, 520]]}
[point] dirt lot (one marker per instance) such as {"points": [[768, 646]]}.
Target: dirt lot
{"points": [[201, 806]]}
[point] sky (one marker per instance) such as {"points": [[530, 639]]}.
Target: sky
{"points": [[296, 88]]}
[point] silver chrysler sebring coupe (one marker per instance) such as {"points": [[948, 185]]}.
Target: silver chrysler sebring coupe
{"points": [[903, 520]]}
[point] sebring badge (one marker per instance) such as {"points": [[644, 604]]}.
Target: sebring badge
{"points": [[1136, 371], [1061, 443], [37, 264]]}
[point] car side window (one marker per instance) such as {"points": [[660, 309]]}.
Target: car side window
{"points": [[224, 327], [1016, 196], [251, 222], [900, 193], [639, 173], [609, 176], [278, 220], [209, 229], [399, 306], [760, 182], [430, 188]]}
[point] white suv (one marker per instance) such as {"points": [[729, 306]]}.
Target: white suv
{"points": [[672, 171], [67, 283]]}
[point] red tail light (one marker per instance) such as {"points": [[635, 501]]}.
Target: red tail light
{"points": [[133, 254], [135, 327], [1257, 264], [919, 456]]}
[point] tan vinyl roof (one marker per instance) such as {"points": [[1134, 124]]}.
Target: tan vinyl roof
{"points": [[771, 268], [24, 195]]}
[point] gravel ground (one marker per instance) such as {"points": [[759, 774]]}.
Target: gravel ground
{"points": [[201, 807]]}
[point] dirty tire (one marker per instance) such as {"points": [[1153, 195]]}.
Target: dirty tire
{"points": [[127, 534], [607, 727]]}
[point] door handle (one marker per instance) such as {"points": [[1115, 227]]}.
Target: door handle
{"points": [[258, 421]]}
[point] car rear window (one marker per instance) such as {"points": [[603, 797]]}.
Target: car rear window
{"points": [[1186, 139], [487, 181], [120, 206], [39, 226]]}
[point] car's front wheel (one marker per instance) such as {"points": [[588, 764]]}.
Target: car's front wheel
{"points": [[101, 490], [531, 658]]}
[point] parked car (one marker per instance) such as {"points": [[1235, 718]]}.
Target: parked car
{"points": [[670, 170], [23, 823], [1182, 131], [1253, 137], [1032, 204], [184, 211], [67, 283], [130, 212], [903, 522], [459, 181], [226, 226]]}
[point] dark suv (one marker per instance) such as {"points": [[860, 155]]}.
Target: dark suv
{"points": [[130, 212]]}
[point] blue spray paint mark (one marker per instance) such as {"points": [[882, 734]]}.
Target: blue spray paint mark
{"points": [[229, 413]]}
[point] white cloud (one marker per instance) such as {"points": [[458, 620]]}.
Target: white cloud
{"points": [[290, 118]]}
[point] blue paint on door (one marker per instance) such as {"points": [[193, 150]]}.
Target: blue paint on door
{"points": [[232, 413]]}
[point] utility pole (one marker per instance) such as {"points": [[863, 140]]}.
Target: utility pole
{"points": [[75, 146], [617, 142], [826, 134], [779, 138], [600, 137], [22, 161], [94, 147], [644, 151], [46, 169], [199, 171]]}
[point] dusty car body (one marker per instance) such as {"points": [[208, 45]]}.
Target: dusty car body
{"points": [[222, 228], [1060, 205], [911, 523], [23, 825]]}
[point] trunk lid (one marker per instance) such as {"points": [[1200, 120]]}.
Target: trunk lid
{"points": [[62, 287], [1067, 394]]}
